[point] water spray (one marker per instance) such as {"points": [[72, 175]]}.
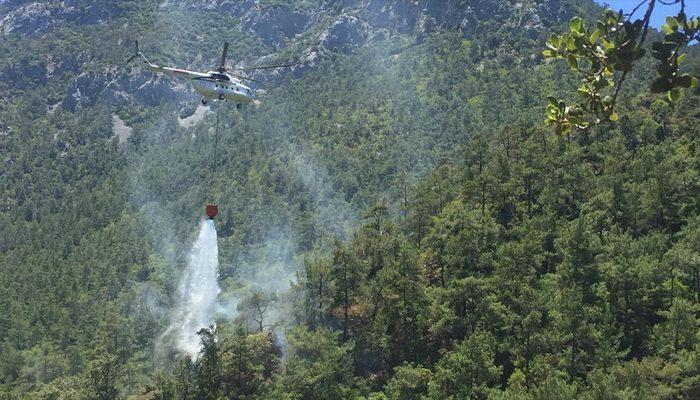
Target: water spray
{"points": [[198, 291]]}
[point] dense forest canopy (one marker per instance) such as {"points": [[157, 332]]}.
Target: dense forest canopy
{"points": [[396, 221]]}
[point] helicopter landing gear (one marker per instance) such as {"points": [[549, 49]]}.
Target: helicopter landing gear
{"points": [[239, 106], [222, 97], [204, 101]]}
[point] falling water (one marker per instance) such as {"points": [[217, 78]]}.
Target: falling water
{"points": [[197, 292]]}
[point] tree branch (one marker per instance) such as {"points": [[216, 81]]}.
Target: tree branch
{"points": [[647, 18]]}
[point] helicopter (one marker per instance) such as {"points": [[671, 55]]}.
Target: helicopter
{"points": [[216, 84]]}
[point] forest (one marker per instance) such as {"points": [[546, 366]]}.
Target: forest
{"points": [[429, 215]]}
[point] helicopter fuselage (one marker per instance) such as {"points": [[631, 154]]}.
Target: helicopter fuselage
{"points": [[211, 85], [214, 86]]}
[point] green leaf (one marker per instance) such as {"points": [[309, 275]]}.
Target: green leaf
{"points": [[674, 94], [576, 25], [675, 39], [672, 22], [568, 41], [607, 45], [662, 51], [596, 34], [684, 80], [572, 60], [665, 70], [614, 117], [552, 101], [694, 23], [661, 85], [554, 40], [548, 53]]}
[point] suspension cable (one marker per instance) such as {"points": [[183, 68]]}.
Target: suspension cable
{"points": [[212, 164]]}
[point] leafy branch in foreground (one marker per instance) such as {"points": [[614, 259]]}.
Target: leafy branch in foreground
{"points": [[603, 56]]}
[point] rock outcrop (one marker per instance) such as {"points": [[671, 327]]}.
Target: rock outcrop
{"points": [[274, 25], [310, 34], [37, 18], [345, 34], [116, 88]]}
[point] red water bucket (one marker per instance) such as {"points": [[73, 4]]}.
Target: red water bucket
{"points": [[212, 210]]}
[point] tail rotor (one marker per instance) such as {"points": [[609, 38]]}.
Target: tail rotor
{"points": [[138, 53]]}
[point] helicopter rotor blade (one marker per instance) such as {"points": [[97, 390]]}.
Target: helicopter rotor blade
{"points": [[222, 66], [267, 67], [246, 78]]}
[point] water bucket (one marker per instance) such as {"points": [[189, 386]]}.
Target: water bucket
{"points": [[212, 210]]}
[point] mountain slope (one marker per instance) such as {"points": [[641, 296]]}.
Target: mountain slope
{"points": [[374, 139]]}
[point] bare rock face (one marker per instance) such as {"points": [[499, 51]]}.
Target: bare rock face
{"points": [[37, 18], [274, 25], [407, 16], [235, 8], [312, 33], [57, 66], [111, 88], [345, 34], [423, 17], [83, 92], [426, 25], [120, 129], [399, 15], [30, 19]]}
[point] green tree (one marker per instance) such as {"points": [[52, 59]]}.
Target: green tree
{"points": [[346, 276], [467, 372], [410, 382], [208, 367], [247, 362], [317, 367], [104, 375], [461, 242]]}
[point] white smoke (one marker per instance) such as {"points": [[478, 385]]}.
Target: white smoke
{"points": [[198, 291]]}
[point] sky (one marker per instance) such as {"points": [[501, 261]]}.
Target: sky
{"points": [[661, 11]]}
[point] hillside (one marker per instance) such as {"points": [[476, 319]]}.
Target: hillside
{"points": [[394, 207]]}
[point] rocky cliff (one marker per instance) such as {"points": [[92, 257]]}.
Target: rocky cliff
{"points": [[304, 31]]}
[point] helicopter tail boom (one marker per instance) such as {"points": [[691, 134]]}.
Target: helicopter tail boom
{"points": [[139, 54]]}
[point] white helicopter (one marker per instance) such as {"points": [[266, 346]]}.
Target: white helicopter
{"points": [[218, 84]]}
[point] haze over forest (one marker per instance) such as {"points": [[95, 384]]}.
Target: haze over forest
{"points": [[458, 199]]}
